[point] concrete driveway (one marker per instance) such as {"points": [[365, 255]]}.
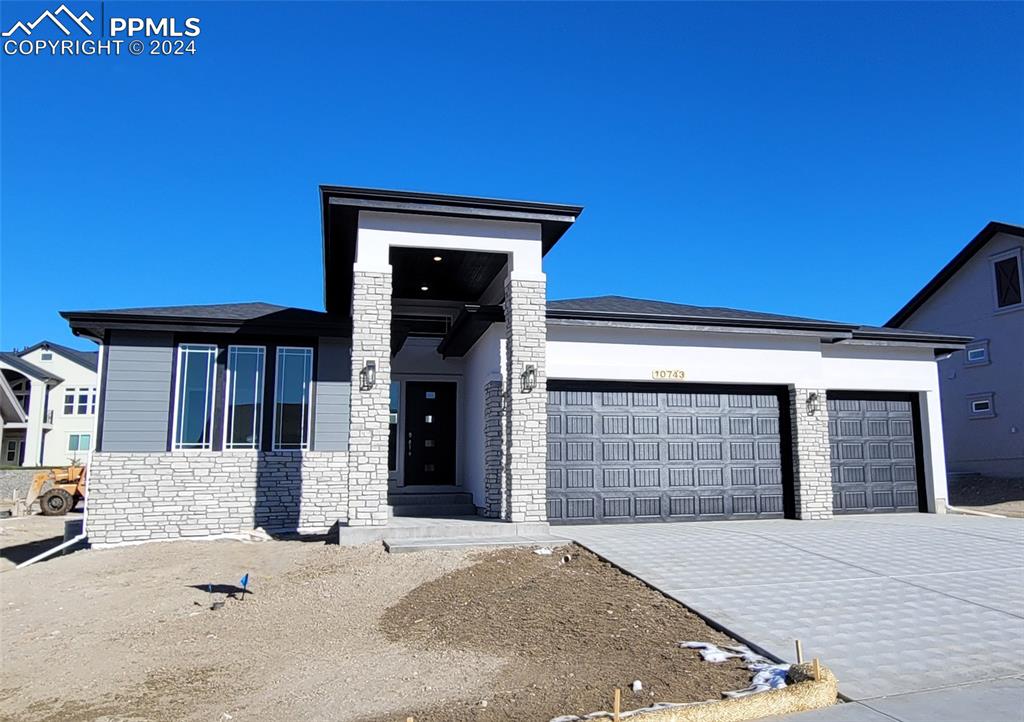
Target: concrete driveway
{"points": [[895, 604]]}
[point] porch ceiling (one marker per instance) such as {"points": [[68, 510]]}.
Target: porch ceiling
{"points": [[456, 276]]}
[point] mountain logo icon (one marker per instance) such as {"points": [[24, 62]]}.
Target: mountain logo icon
{"points": [[61, 13]]}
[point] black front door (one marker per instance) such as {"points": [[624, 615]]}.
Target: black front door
{"points": [[429, 432]]}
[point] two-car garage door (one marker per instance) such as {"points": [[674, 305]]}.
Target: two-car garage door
{"points": [[644, 453], [647, 452]]}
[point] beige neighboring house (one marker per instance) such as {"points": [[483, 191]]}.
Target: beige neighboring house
{"points": [[48, 405], [979, 293]]}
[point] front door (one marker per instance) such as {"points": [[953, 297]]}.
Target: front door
{"points": [[430, 432]]}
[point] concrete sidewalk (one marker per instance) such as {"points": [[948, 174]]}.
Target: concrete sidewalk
{"points": [[898, 605]]}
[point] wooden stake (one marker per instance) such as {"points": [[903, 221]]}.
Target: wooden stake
{"points": [[817, 670], [799, 652], [617, 705]]}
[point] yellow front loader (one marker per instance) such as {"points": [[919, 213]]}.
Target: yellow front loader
{"points": [[67, 490]]}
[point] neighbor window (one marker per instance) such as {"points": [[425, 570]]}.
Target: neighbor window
{"points": [[244, 397], [1007, 279], [79, 442], [982, 406], [46, 357], [79, 401], [193, 405], [293, 387]]}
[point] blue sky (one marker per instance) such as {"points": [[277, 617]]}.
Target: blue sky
{"points": [[814, 159]]}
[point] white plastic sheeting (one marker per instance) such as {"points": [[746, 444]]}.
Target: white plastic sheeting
{"points": [[767, 674]]}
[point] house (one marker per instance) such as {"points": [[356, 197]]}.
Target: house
{"points": [[980, 293], [439, 380], [48, 398]]}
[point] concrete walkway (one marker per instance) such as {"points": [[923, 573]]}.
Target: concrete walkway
{"points": [[895, 604]]}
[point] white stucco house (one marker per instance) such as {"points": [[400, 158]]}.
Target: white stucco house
{"points": [[439, 381], [979, 293], [48, 404]]}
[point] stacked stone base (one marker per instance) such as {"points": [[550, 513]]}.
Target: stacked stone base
{"points": [[134, 497]]}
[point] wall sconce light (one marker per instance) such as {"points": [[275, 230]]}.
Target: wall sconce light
{"points": [[368, 375], [813, 403], [529, 378]]}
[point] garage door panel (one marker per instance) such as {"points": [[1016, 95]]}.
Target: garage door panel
{"points": [[874, 454], [617, 455]]}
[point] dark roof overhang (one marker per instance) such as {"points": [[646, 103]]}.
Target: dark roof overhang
{"points": [[29, 369], [252, 318], [471, 323], [826, 327], [950, 269], [340, 206]]}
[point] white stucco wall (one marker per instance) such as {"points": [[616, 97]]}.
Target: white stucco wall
{"points": [[482, 364], [630, 354]]}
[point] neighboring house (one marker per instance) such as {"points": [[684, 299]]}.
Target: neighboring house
{"points": [[440, 381], [980, 293], [48, 399]]}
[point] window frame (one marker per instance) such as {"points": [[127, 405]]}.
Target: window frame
{"points": [[306, 444], [211, 397], [985, 398], [261, 395], [1015, 254], [78, 435], [74, 392], [977, 345]]}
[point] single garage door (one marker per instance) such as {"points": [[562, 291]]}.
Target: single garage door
{"points": [[875, 453], [650, 453]]}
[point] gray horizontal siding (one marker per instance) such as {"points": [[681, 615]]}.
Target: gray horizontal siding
{"points": [[137, 391], [333, 395]]}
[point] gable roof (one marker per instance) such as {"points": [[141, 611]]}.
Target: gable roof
{"points": [[635, 310], [254, 317], [10, 410], [88, 359], [19, 364], [950, 269]]}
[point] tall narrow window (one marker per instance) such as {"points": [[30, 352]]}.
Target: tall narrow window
{"points": [[244, 397], [193, 405], [1008, 281], [292, 397]]}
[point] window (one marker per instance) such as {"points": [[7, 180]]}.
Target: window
{"points": [[79, 401], [394, 404], [293, 388], [79, 442], [982, 406], [193, 400], [1007, 279], [46, 357], [977, 354], [244, 421]]}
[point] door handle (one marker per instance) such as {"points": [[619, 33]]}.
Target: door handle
{"points": [[408, 444]]}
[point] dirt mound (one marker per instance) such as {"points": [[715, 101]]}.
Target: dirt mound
{"points": [[574, 631]]}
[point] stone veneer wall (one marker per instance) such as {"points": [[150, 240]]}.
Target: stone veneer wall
{"points": [[493, 452], [525, 413], [147, 496], [812, 455], [368, 440]]}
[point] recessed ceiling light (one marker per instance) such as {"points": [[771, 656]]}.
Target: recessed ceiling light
{"points": [[437, 258], [424, 288]]}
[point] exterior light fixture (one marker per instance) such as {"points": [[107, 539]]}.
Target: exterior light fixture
{"points": [[529, 378], [813, 403], [437, 259], [368, 375], [424, 288]]}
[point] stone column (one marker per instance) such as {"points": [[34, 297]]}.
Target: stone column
{"points": [[368, 436], [525, 413], [812, 455], [493, 452]]}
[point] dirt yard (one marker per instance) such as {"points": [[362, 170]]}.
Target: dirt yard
{"points": [[337, 633], [995, 496]]}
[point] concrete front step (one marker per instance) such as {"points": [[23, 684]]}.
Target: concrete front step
{"points": [[467, 527], [433, 510], [401, 546]]}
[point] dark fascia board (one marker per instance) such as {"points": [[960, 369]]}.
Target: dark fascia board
{"points": [[471, 323], [931, 339], [952, 267], [555, 218], [829, 328], [94, 325]]}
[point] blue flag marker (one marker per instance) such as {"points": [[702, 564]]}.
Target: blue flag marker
{"points": [[245, 583]]}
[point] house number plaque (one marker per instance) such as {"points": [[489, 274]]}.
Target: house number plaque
{"points": [[668, 374]]}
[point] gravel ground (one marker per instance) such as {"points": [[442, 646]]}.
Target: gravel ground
{"points": [[996, 496]]}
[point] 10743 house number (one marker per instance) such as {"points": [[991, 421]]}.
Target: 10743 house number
{"points": [[668, 374]]}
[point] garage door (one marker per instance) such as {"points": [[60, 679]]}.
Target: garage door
{"points": [[875, 465], [643, 453]]}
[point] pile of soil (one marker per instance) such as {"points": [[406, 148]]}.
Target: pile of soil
{"points": [[574, 632]]}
